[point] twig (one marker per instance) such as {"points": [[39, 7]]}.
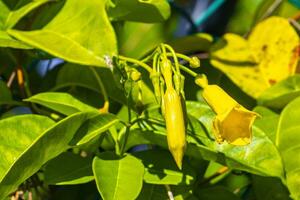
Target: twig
{"points": [[29, 195], [271, 9], [295, 24], [137, 62], [187, 70], [11, 79], [105, 107], [169, 192]]}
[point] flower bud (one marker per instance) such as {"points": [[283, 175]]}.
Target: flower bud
{"points": [[155, 78], [135, 75], [175, 125], [194, 62]]}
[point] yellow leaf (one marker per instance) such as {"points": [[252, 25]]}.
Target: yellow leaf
{"points": [[232, 48], [268, 56], [274, 44], [248, 77]]}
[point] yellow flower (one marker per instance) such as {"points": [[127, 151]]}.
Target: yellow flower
{"points": [[233, 122]]}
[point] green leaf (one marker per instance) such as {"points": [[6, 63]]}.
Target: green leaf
{"points": [[79, 33], [160, 192], [8, 41], [118, 177], [215, 168], [94, 127], [201, 142], [20, 161], [244, 11], [192, 43], [267, 122], [286, 9], [160, 168], [269, 188], [14, 16], [153, 192], [288, 140], [77, 75], [265, 7], [6, 96], [5, 92], [280, 94], [86, 191], [23, 131], [9, 18], [138, 39], [216, 193], [69, 169], [140, 11], [240, 157], [237, 183], [182, 192], [60, 102]]}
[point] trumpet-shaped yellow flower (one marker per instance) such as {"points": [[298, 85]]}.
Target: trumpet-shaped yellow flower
{"points": [[233, 122]]}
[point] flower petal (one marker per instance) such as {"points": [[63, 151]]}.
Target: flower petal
{"points": [[233, 122]]}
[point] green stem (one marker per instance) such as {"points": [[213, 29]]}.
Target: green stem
{"points": [[164, 50], [137, 62], [126, 134], [28, 93], [174, 57], [155, 63], [147, 58], [184, 57], [114, 134], [187, 70], [100, 83]]}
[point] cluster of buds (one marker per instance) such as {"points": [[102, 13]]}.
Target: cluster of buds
{"points": [[168, 85], [174, 117], [232, 123]]}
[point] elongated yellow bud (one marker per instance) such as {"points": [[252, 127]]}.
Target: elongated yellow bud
{"points": [[175, 125]]}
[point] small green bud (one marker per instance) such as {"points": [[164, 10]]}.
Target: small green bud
{"points": [[155, 78], [194, 62], [135, 75]]}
